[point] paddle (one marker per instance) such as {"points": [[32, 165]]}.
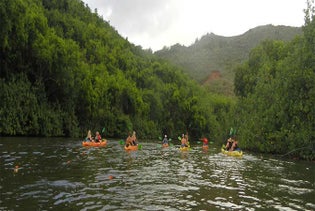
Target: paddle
{"points": [[140, 146], [232, 131], [121, 142], [160, 138], [102, 132]]}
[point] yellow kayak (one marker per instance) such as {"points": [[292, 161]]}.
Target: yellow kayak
{"points": [[236, 153], [184, 148]]}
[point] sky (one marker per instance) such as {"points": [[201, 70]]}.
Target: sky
{"points": [[156, 24]]}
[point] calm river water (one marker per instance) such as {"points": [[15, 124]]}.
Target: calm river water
{"points": [[60, 174]]}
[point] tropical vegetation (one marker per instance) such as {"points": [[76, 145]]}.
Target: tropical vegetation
{"points": [[64, 70], [275, 112]]}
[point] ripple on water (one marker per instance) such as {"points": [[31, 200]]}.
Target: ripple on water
{"points": [[67, 175], [225, 204], [44, 189], [294, 190]]}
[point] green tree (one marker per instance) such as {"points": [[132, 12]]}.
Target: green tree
{"points": [[276, 89]]}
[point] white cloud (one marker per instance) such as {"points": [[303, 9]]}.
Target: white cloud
{"points": [[157, 23]]}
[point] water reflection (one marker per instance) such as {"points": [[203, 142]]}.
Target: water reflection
{"points": [[55, 174]]}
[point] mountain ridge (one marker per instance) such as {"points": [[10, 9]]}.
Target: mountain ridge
{"points": [[219, 53]]}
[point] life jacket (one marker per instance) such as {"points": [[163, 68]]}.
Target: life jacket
{"points": [[98, 138]]}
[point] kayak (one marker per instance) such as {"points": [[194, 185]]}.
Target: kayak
{"points": [[131, 147], [94, 144], [205, 146], [165, 145], [236, 153], [184, 148]]}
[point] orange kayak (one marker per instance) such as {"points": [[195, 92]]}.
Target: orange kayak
{"points": [[131, 147], [164, 145], [94, 144]]}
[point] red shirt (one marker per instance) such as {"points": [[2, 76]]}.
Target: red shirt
{"points": [[205, 141]]}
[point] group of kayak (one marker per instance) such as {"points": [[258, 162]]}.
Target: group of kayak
{"points": [[184, 142], [185, 145], [97, 141], [231, 148]]}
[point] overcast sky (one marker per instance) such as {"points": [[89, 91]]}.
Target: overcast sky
{"points": [[158, 23]]}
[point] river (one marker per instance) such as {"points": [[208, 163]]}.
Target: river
{"points": [[60, 174]]}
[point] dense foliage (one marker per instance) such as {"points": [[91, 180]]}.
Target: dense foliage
{"points": [[276, 89], [64, 70]]}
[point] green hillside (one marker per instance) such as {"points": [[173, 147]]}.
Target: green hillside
{"points": [[218, 53], [64, 70]]}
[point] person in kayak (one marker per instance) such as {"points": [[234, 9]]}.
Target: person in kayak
{"points": [[234, 144], [128, 140], [98, 137], [184, 142], [89, 136], [165, 140], [134, 138], [229, 144], [205, 141]]}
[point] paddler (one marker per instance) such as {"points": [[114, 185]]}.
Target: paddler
{"points": [[128, 140], [134, 138], [184, 142], [165, 140], [205, 141], [89, 136], [98, 137]]}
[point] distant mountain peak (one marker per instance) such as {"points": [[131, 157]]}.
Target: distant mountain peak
{"points": [[218, 53]]}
